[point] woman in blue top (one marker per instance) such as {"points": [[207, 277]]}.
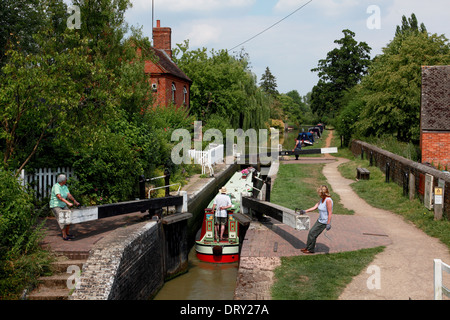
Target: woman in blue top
{"points": [[58, 202], [325, 206]]}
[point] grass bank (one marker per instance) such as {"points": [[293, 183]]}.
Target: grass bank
{"points": [[319, 277], [296, 185]]}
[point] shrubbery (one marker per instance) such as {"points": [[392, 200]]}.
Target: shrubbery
{"points": [[21, 258]]}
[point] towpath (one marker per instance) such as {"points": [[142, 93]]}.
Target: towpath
{"points": [[405, 267]]}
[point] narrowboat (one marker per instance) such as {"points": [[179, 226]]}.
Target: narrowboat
{"points": [[209, 249]]}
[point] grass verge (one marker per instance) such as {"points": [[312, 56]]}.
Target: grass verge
{"points": [[296, 185]]}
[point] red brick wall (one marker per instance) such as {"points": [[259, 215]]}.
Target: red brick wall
{"points": [[436, 148], [163, 94]]}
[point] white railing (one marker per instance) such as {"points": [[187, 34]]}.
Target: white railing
{"points": [[439, 288], [42, 180], [211, 156]]}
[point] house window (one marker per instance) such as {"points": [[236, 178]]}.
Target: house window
{"points": [[184, 95], [174, 89]]}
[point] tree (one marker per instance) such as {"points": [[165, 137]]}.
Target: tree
{"points": [[343, 68], [223, 86], [410, 25], [268, 83], [294, 108], [391, 92], [39, 93]]}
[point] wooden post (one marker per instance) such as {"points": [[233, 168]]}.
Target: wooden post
{"points": [[412, 186], [167, 181], [268, 187]]}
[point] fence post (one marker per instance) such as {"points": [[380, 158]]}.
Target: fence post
{"points": [[437, 279], [405, 184], [388, 171]]}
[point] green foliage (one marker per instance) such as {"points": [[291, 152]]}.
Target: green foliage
{"points": [[21, 259], [343, 68], [16, 211], [268, 83], [295, 108], [107, 173], [389, 97], [223, 85]]}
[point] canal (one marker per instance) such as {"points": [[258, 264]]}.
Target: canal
{"points": [[203, 281]]}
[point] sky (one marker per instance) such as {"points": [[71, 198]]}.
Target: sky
{"points": [[295, 45]]}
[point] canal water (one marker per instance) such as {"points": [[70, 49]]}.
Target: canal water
{"points": [[203, 281]]}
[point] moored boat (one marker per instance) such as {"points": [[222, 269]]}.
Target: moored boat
{"points": [[209, 249]]}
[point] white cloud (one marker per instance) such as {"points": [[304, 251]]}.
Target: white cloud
{"points": [[203, 34], [191, 5], [327, 7]]}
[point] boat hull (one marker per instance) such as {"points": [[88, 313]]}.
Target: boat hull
{"points": [[217, 252]]}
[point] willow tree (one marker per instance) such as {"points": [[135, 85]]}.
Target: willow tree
{"points": [[223, 87]]}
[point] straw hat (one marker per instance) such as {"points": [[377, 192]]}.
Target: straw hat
{"points": [[223, 190]]}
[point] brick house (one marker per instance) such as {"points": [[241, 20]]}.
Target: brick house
{"points": [[435, 116], [169, 83]]}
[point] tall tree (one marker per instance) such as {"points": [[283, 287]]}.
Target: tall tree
{"points": [[392, 89], [342, 69], [410, 25], [268, 83]]}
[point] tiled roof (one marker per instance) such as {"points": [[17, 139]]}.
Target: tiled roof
{"points": [[168, 66], [435, 113]]}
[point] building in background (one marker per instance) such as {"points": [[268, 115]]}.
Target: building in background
{"points": [[435, 116], [168, 82]]}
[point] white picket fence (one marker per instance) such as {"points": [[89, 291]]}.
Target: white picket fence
{"points": [[211, 156], [43, 179]]}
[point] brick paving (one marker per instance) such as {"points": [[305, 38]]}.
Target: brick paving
{"points": [[86, 234], [348, 233]]}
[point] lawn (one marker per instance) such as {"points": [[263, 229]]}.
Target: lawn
{"points": [[319, 277], [296, 185]]}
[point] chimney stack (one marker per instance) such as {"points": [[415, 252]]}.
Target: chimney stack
{"points": [[162, 38]]}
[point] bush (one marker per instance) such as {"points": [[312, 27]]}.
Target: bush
{"points": [[21, 258], [16, 213], [107, 173]]}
